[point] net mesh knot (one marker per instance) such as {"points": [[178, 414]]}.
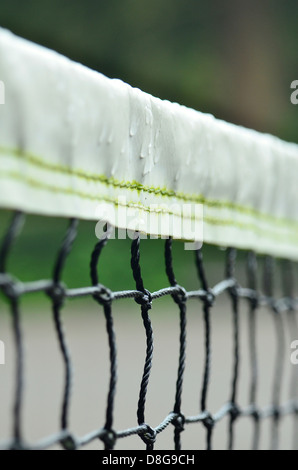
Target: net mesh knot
{"points": [[103, 295], [234, 412], [254, 300], [180, 296], [11, 288], [234, 289], [109, 438], [256, 415], [210, 298], [291, 304], [144, 299], [17, 445], [208, 421], [148, 435], [275, 307], [69, 443], [57, 293], [276, 414], [179, 422]]}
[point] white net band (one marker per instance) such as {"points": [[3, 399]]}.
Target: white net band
{"points": [[74, 143]]}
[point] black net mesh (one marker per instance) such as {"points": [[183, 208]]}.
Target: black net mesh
{"points": [[283, 313]]}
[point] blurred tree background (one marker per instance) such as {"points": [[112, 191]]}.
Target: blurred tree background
{"points": [[235, 59]]}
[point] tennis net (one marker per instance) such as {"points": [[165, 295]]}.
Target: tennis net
{"points": [[123, 155]]}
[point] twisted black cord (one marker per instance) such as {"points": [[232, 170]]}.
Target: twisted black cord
{"points": [[57, 295], [18, 400], [109, 437], [65, 250], [14, 229], [179, 423], [280, 348], [253, 305], [288, 282], [96, 254], [181, 301], [284, 308], [135, 262], [207, 365], [207, 324], [201, 270], [6, 245], [230, 271], [201, 273], [67, 365], [113, 365], [145, 302], [287, 279], [169, 262], [146, 372]]}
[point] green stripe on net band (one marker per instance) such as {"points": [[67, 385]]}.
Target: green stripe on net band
{"points": [[136, 186], [160, 209]]}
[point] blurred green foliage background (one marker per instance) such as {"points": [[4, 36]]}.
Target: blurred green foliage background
{"points": [[232, 58], [235, 59]]}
